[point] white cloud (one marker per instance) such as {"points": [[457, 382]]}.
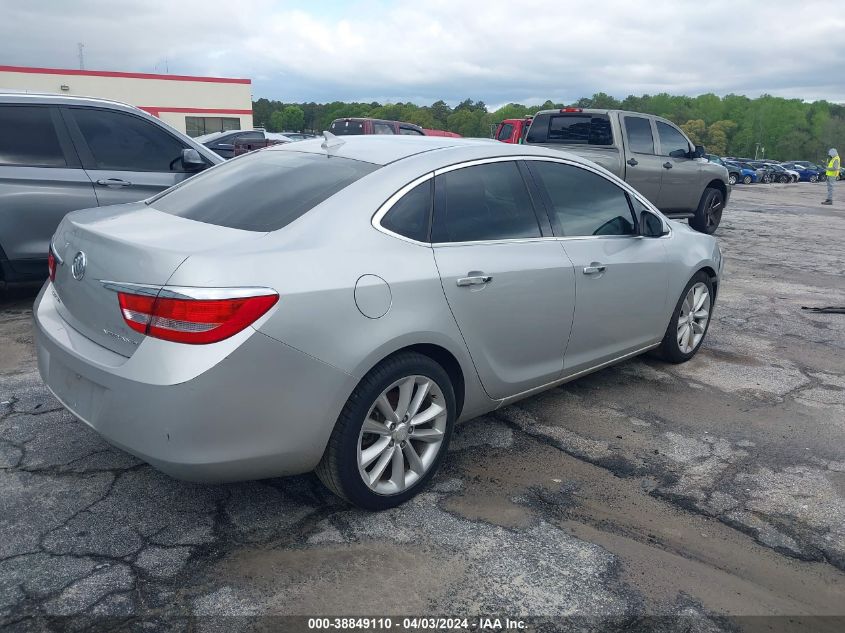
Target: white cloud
{"points": [[496, 51]]}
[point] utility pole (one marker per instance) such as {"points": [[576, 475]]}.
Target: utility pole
{"points": [[80, 46]]}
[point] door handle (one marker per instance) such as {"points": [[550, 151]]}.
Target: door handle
{"points": [[633, 162], [667, 165], [475, 280], [114, 182], [594, 269]]}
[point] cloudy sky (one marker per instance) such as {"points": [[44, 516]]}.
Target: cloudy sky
{"points": [[495, 50]]}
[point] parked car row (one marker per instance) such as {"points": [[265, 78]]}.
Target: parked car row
{"points": [[747, 171], [648, 152]]}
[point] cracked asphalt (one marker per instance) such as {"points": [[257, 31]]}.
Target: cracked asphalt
{"points": [[701, 491]]}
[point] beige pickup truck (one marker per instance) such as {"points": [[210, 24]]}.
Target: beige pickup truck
{"points": [[648, 152]]}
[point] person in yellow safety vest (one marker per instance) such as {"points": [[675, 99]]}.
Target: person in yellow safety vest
{"points": [[832, 173]]}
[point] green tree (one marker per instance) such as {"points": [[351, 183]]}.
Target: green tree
{"points": [[696, 130], [292, 119]]}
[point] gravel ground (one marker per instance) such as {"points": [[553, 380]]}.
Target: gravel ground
{"points": [[697, 492]]}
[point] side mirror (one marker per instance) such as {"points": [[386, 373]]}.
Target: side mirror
{"points": [[651, 225], [191, 160], [679, 153], [699, 151]]}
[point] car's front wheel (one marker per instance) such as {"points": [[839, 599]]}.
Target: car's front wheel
{"points": [[690, 320], [746, 180], [814, 178], [732, 179], [392, 434]]}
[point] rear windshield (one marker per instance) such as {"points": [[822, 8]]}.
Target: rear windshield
{"points": [[346, 128], [263, 191], [572, 129]]}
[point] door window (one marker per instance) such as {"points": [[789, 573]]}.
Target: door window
{"points": [[484, 202], [123, 142], [640, 138], [28, 137], [382, 128], [505, 132], [672, 142], [410, 215], [582, 202], [404, 129]]}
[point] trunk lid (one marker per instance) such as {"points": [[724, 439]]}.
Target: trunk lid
{"points": [[128, 244]]}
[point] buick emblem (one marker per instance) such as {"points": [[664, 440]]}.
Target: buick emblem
{"points": [[77, 269]]}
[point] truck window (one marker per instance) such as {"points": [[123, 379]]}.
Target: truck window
{"points": [[382, 128], [671, 140], [572, 129], [583, 203], [346, 128], [505, 132], [640, 139]]}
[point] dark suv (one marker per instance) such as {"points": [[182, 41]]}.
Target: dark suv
{"points": [[59, 154]]}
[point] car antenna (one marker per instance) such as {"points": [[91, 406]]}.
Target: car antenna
{"points": [[330, 141]]}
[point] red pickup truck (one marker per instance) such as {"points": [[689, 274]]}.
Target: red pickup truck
{"points": [[513, 130], [361, 125]]}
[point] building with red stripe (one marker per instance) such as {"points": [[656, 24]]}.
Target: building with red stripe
{"points": [[191, 104]]}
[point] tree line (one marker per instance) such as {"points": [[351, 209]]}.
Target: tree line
{"points": [[735, 125]]}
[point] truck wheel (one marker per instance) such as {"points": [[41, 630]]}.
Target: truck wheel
{"points": [[709, 211], [732, 179], [746, 180]]}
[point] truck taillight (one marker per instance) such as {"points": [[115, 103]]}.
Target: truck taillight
{"points": [[571, 110], [193, 321]]}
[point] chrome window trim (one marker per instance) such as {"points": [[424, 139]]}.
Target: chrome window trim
{"points": [[387, 205], [187, 292], [393, 199]]}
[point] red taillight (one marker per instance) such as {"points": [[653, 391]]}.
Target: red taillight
{"points": [[193, 321], [51, 264]]}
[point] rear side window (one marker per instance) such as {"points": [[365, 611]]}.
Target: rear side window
{"points": [[672, 142], [346, 128], [410, 131], [263, 191], [639, 134], [583, 203], [28, 137], [573, 129], [485, 202], [505, 132], [124, 142], [410, 215]]}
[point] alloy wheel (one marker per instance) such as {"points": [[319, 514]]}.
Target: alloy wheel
{"points": [[402, 435], [693, 318], [714, 211]]}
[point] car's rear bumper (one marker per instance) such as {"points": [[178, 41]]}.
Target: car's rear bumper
{"points": [[265, 409]]}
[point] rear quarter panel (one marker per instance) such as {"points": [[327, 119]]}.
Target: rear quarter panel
{"points": [[314, 264]]}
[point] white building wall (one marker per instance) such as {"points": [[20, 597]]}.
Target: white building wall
{"points": [[170, 97]]}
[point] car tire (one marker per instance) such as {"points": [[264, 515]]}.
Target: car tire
{"points": [[783, 179], [814, 178], [345, 461], [671, 348], [708, 215], [732, 179], [746, 180]]}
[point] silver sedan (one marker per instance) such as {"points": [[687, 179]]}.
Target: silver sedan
{"points": [[339, 305]]}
